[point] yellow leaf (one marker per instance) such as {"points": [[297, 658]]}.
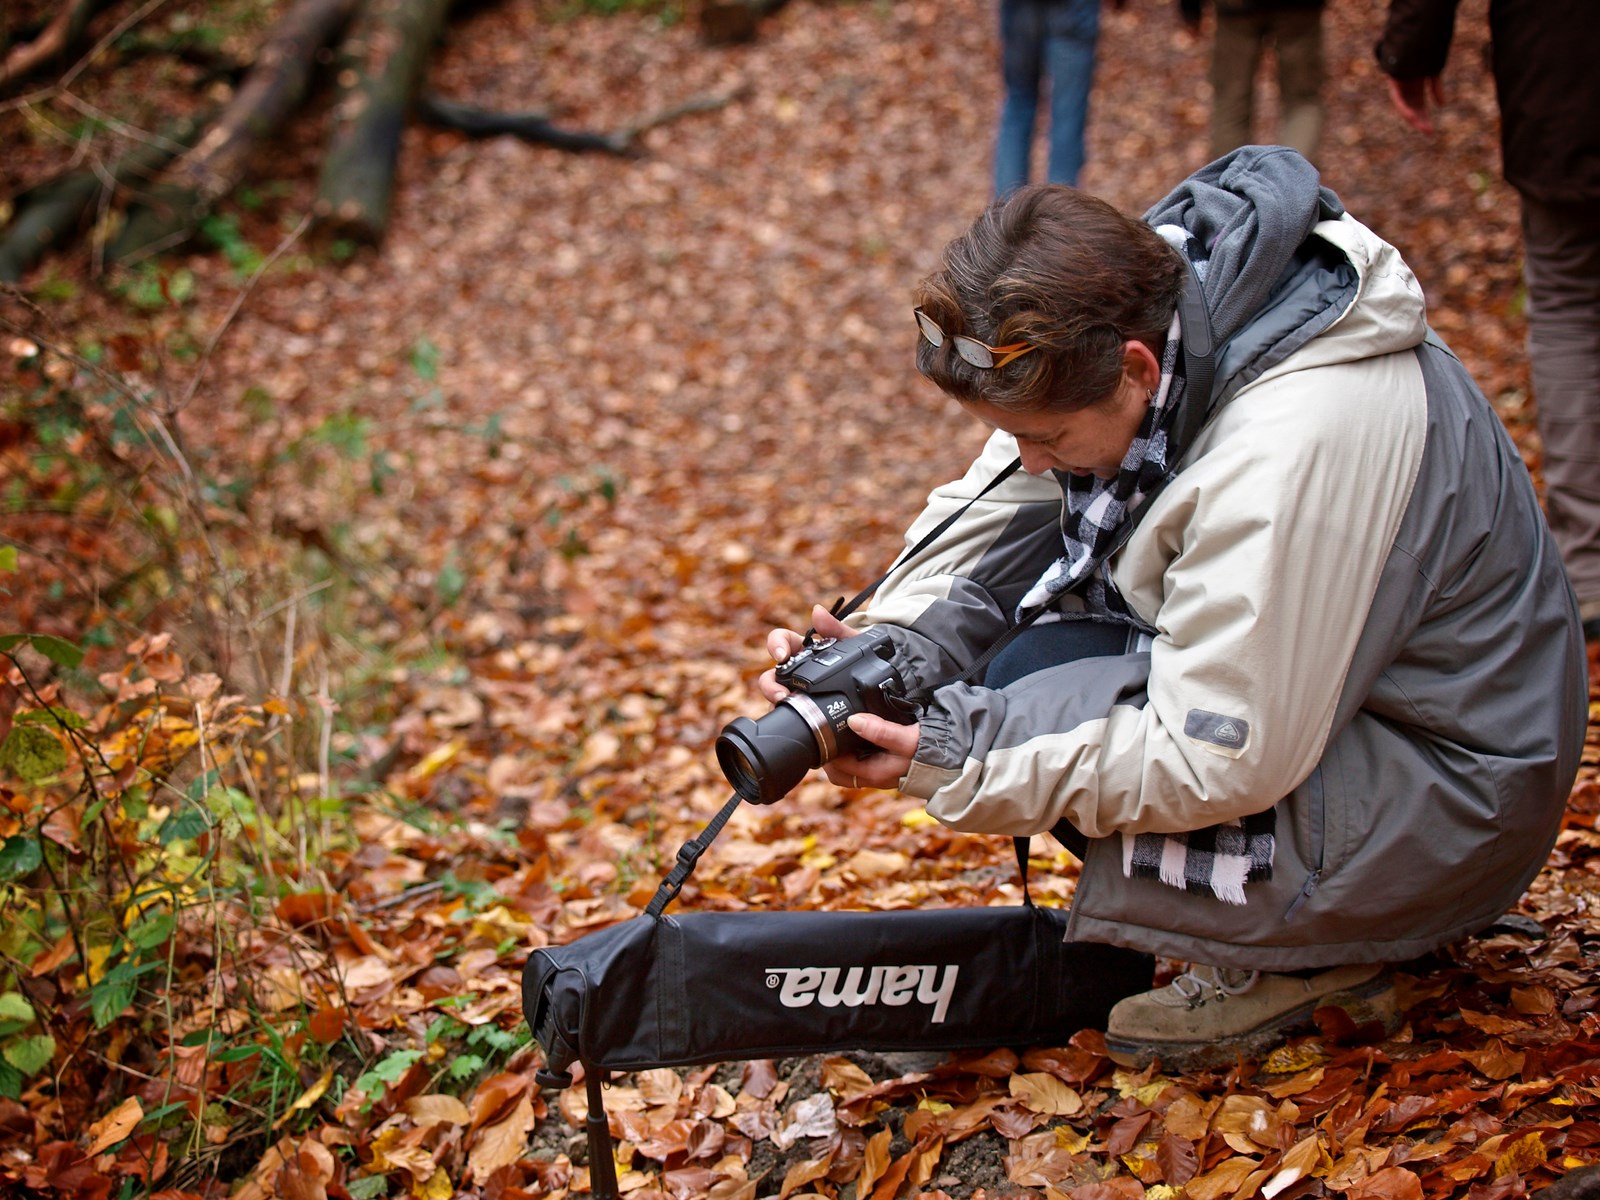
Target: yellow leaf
{"points": [[438, 1187], [309, 1097], [390, 1153], [115, 1125], [1287, 1060], [435, 760], [917, 818], [1152, 1091], [97, 962], [1133, 1083], [1521, 1156], [1071, 1140]]}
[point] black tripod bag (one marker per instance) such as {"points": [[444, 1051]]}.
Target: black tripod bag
{"points": [[667, 991]]}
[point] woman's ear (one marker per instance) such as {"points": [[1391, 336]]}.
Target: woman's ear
{"points": [[1140, 365]]}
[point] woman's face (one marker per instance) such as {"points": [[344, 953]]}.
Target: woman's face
{"points": [[1085, 441]]}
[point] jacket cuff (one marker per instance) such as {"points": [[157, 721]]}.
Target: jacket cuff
{"points": [[923, 782]]}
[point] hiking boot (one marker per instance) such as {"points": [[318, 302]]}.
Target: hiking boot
{"points": [[1211, 1016]]}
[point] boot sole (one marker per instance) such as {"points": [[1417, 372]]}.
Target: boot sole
{"points": [[1373, 1001]]}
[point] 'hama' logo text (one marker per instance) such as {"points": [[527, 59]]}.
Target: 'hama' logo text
{"points": [[893, 986]]}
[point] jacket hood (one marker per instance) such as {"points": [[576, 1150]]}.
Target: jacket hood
{"points": [[1284, 268]]}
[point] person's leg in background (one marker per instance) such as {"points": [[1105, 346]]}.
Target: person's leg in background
{"points": [[1297, 38], [1561, 243], [1235, 60], [1021, 68], [1072, 30]]}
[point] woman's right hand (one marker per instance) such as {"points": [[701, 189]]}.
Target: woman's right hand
{"points": [[783, 644]]}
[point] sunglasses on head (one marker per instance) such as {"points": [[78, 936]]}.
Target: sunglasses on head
{"points": [[971, 349]]}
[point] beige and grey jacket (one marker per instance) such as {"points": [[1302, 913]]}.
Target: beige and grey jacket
{"points": [[1359, 618]]}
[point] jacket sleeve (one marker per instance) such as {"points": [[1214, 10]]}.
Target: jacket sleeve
{"points": [[1416, 38], [1260, 562], [953, 600]]}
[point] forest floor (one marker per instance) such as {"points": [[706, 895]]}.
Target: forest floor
{"points": [[538, 476]]}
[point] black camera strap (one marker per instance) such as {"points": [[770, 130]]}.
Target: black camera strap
{"points": [[1199, 352], [843, 608]]}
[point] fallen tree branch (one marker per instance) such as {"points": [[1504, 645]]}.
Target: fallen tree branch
{"points": [[529, 126], [53, 211], [63, 32], [689, 108], [173, 208], [536, 127], [384, 57]]}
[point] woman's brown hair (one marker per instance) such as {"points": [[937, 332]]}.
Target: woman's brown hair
{"points": [[1063, 271]]}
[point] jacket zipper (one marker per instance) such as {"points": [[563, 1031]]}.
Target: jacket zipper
{"points": [[1318, 831]]}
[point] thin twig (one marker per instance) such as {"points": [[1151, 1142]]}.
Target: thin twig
{"points": [[696, 104], [399, 898], [282, 247], [99, 47]]}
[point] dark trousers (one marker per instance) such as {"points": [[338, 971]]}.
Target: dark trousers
{"points": [[1041, 646]]}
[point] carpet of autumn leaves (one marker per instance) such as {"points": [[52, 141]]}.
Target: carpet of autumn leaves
{"points": [[451, 560]]}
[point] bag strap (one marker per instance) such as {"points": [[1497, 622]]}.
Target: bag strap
{"points": [[1020, 845], [689, 854]]}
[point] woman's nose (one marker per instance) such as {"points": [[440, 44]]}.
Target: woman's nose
{"points": [[1036, 460]]}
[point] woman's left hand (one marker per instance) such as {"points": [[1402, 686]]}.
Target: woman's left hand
{"points": [[884, 769]]}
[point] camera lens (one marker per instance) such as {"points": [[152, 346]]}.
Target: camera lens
{"points": [[743, 774], [764, 759]]}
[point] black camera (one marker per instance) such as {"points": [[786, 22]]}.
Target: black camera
{"points": [[829, 680]]}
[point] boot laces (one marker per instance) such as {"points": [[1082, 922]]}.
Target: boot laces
{"points": [[1221, 982]]}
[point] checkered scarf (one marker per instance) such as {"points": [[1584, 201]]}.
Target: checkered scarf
{"points": [[1095, 508], [1219, 860]]}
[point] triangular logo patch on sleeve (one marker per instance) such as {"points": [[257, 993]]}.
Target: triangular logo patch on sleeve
{"points": [[1217, 732]]}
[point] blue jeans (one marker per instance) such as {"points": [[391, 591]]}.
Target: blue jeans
{"points": [[1039, 39]]}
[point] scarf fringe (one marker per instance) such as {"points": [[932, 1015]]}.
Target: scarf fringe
{"points": [[1218, 861]]}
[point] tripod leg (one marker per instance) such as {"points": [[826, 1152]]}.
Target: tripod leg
{"points": [[602, 1164]]}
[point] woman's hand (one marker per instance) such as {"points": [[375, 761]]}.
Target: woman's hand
{"points": [[884, 769], [783, 644]]}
